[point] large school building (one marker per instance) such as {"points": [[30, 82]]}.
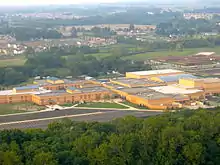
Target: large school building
{"points": [[155, 89]]}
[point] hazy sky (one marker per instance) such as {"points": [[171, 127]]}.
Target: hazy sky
{"points": [[40, 2]]}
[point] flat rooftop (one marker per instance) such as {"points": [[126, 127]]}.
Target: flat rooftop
{"points": [[154, 72], [11, 92], [115, 86], [205, 53], [173, 78], [137, 90], [76, 91], [93, 89], [210, 80], [66, 81], [152, 96], [53, 78], [132, 81], [27, 87], [53, 93], [205, 80], [174, 89], [190, 60]]}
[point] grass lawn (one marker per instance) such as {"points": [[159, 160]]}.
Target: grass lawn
{"points": [[100, 55], [18, 108], [19, 61], [133, 105], [185, 52], [102, 105], [67, 105]]}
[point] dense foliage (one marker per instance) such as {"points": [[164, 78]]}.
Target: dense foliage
{"points": [[30, 33], [135, 15], [187, 27], [67, 62], [189, 138]]}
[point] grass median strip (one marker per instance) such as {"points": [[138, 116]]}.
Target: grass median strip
{"points": [[102, 105], [18, 108]]}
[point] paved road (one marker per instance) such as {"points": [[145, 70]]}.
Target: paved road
{"points": [[42, 119], [44, 114]]}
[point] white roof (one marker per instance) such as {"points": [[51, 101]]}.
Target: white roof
{"points": [[6, 92], [205, 53], [172, 89], [11, 92], [153, 72]]}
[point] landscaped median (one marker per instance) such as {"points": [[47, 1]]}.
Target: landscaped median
{"points": [[102, 105], [19, 108], [133, 105]]}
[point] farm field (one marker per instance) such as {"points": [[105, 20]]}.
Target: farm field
{"points": [[18, 61], [185, 52], [100, 55]]}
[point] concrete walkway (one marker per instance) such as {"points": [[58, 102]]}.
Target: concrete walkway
{"points": [[115, 109], [128, 106], [51, 108]]}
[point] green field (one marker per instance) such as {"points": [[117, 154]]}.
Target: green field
{"points": [[18, 108], [102, 105], [185, 52], [100, 55], [144, 56], [19, 61], [67, 105], [133, 105]]}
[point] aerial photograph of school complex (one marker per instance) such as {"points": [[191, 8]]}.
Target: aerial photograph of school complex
{"points": [[110, 82], [165, 89]]}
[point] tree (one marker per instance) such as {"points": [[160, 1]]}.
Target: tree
{"points": [[194, 153], [44, 158], [181, 138], [9, 158]]}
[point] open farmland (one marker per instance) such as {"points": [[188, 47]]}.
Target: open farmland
{"points": [[185, 52], [18, 61], [100, 55]]}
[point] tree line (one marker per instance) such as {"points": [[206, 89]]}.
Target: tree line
{"points": [[72, 61], [30, 33], [135, 15], [183, 138], [172, 44], [187, 27]]}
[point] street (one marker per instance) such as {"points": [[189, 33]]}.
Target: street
{"points": [[42, 119]]}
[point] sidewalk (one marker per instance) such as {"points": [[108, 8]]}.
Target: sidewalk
{"points": [[130, 107]]}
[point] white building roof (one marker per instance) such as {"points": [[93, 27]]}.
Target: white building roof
{"points": [[172, 89], [205, 53], [153, 72], [11, 92]]}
